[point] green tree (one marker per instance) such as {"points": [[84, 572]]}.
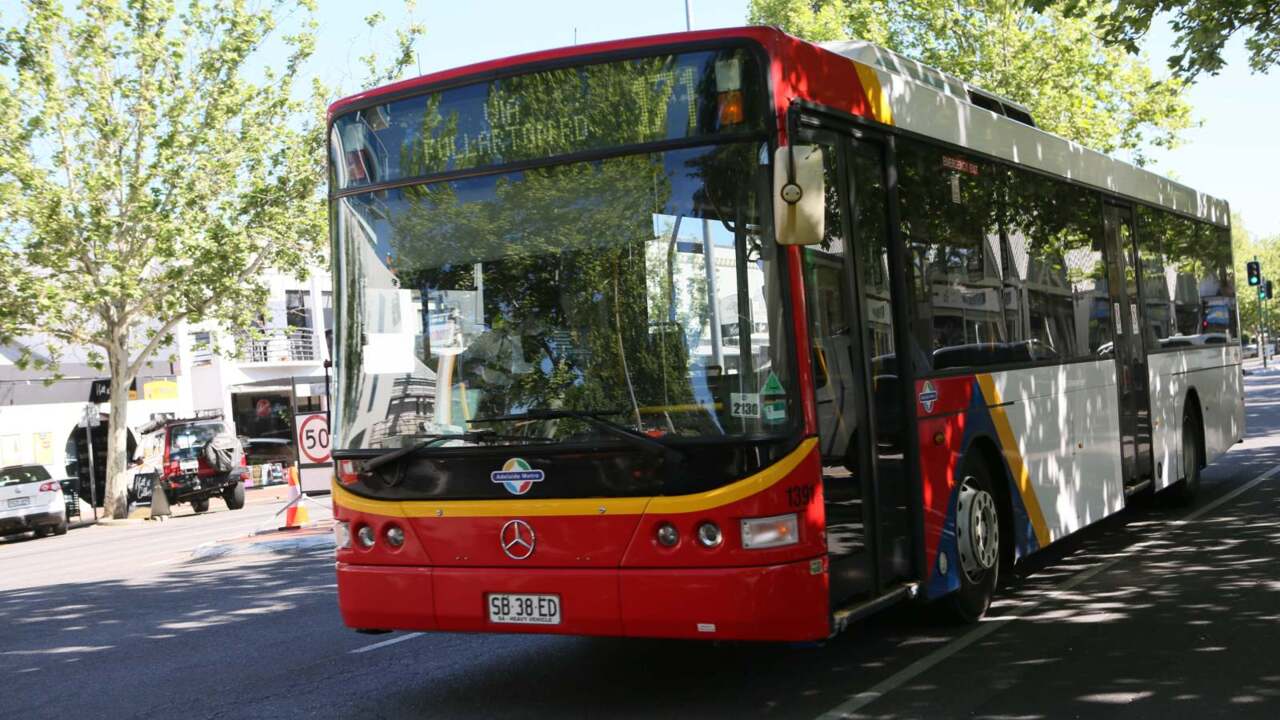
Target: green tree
{"points": [[1202, 27], [151, 164], [1075, 85], [1245, 247]]}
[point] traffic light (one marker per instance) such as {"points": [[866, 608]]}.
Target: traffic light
{"points": [[1262, 292], [1267, 289], [1255, 272]]}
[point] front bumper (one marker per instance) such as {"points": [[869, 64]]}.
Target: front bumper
{"points": [[785, 602]]}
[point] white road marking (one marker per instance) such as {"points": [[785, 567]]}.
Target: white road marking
{"points": [[855, 703], [385, 643]]}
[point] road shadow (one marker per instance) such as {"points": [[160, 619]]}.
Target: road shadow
{"points": [[179, 628]]}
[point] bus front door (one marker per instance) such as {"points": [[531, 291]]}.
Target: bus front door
{"points": [[861, 425]]}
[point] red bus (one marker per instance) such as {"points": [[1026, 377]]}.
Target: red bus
{"points": [[728, 335]]}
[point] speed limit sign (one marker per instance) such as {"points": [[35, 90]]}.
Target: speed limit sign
{"points": [[313, 438]]}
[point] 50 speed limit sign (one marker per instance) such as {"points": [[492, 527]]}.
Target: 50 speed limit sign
{"points": [[313, 438]]}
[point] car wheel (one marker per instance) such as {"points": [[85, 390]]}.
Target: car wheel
{"points": [[978, 538], [234, 496], [42, 531], [201, 505], [60, 528]]}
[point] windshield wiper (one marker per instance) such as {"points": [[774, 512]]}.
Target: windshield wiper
{"points": [[596, 419], [425, 441]]}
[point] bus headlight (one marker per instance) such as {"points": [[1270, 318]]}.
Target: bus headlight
{"points": [[342, 535], [709, 535], [365, 536], [770, 532], [667, 534]]}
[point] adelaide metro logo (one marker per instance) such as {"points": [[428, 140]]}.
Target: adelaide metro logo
{"points": [[517, 476]]}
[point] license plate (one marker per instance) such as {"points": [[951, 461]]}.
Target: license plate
{"points": [[524, 609], [189, 465], [19, 502]]}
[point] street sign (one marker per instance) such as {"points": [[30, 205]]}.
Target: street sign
{"points": [[315, 464], [100, 391], [313, 438]]}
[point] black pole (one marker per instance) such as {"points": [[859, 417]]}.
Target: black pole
{"points": [[93, 482]]}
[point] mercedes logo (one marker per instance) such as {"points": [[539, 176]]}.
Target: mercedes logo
{"points": [[517, 539]]}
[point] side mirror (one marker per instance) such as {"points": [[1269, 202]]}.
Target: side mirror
{"points": [[799, 196]]}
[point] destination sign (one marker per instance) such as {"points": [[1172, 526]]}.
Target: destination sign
{"points": [[546, 114]]}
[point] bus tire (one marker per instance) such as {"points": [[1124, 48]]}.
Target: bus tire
{"points": [[979, 534], [1185, 490]]}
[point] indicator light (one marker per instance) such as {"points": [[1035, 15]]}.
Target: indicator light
{"points": [[770, 532]]}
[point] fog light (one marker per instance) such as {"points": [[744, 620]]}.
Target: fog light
{"points": [[709, 535], [342, 535], [395, 536], [769, 532], [668, 536], [365, 536]]}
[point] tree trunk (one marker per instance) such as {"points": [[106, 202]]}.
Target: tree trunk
{"points": [[115, 501]]}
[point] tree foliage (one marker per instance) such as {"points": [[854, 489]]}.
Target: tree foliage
{"points": [[151, 164], [1202, 27], [1074, 85], [1246, 247]]}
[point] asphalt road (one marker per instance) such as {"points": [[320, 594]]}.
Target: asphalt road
{"points": [[1157, 612]]}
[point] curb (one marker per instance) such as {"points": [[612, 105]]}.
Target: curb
{"points": [[301, 545], [122, 522]]}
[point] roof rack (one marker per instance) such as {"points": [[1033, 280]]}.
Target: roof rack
{"points": [[160, 420]]}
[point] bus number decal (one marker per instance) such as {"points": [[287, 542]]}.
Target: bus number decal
{"points": [[799, 495]]}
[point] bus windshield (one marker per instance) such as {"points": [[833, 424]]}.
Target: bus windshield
{"points": [[642, 287]]}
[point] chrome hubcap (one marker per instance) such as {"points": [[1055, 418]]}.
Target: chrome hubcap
{"points": [[977, 529]]}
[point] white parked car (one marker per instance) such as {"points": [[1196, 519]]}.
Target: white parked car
{"points": [[30, 499]]}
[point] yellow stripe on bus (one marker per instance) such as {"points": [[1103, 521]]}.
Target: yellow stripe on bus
{"points": [[876, 96], [697, 502], [1017, 466]]}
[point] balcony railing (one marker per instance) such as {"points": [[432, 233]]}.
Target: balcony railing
{"points": [[275, 345]]}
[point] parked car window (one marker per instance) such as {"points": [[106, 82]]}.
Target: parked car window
{"points": [[19, 474]]}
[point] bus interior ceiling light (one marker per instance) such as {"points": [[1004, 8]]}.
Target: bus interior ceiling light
{"points": [[770, 532]]}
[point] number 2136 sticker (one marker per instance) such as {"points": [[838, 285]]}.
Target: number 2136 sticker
{"points": [[744, 405]]}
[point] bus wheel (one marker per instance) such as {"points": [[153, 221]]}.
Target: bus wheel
{"points": [[1184, 491], [978, 542]]}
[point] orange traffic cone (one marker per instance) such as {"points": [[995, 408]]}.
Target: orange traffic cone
{"points": [[295, 513]]}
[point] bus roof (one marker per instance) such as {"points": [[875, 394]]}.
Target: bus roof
{"points": [[864, 79]]}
